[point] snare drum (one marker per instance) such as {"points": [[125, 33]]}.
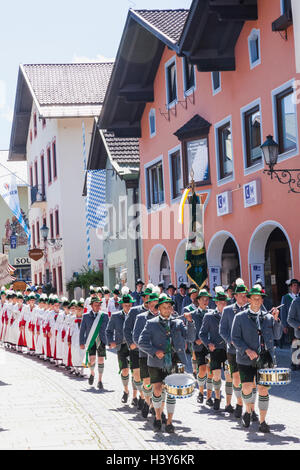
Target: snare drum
{"points": [[276, 376], [179, 385]]}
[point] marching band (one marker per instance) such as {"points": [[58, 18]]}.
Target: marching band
{"points": [[154, 335]]}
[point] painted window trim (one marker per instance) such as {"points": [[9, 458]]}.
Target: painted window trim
{"points": [[189, 91], [56, 222], [152, 112], [35, 125], [167, 64], [258, 166], [215, 91], [51, 229], [255, 34], [49, 165], [170, 153], [229, 178], [52, 157], [147, 166], [276, 91]]}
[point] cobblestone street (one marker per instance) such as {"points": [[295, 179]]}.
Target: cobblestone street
{"points": [[43, 407]]}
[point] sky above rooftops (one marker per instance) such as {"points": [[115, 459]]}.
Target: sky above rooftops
{"points": [[60, 32]]}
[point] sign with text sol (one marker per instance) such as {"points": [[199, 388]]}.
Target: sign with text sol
{"points": [[22, 261], [35, 254]]}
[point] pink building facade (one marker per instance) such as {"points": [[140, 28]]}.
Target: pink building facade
{"points": [[208, 104]]}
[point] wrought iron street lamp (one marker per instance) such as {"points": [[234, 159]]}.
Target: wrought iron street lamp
{"points": [[270, 151], [54, 242]]}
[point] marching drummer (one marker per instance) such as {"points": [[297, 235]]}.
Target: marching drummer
{"points": [[164, 340], [211, 338], [253, 333], [229, 312]]}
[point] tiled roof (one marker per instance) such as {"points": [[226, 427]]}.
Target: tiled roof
{"points": [[168, 22], [123, 151], [69, 84]]}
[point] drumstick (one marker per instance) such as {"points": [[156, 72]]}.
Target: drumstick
{"points": [[276, 307]]}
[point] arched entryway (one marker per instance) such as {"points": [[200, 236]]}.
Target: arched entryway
{"points": [[159, 268], [270, 258], [179, 264], [223, 259]]}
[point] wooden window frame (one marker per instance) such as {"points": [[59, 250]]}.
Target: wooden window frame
{"points": [[149, 184], [187, 87], [60, 279], [173, 152], [250, 162], [278, 98], [57, 226], [38, 234], [51, 219], [170, 102], [54, 160], [49, 164], [221, 155], [36, 173], [34, 125]]}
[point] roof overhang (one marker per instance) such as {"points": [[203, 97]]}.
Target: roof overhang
{"points": [[208, 40], [132, 81], [212, 30]]}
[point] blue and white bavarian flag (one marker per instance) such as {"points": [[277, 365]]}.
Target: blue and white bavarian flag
{"points": [[9, 192], [96, 188]]}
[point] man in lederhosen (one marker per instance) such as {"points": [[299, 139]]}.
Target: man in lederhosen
{"points": [[97, 344], [200, 352], [139, 325], [128, 334], [253, 333], [127, 358], [229, 312], [213, 341], [164, 340]]}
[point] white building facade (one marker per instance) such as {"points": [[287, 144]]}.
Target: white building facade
{"points": [[49, 135]]}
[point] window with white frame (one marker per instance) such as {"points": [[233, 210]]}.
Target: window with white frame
{"points": [[155, 185], [285, 120], [254, 48], [216, 82], [252, 135], [171, 82], [175, 173], [189, 79], [152, 123], [224, 150]]}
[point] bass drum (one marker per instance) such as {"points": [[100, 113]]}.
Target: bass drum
{"points": [[180, 385]]}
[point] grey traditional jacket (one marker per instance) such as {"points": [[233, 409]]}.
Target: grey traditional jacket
{"points": [[209, 331], [87, 323], [244, 335], [154, 338], [197, 316], [225, 326], [139, 325], [129, 322], [294, 316], [114, 330]]}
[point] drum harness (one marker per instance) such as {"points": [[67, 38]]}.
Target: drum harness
{"points": [[264, 357]]}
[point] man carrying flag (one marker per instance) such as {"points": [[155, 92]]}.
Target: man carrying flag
{"points": [[195, 256], [92, 338]]}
